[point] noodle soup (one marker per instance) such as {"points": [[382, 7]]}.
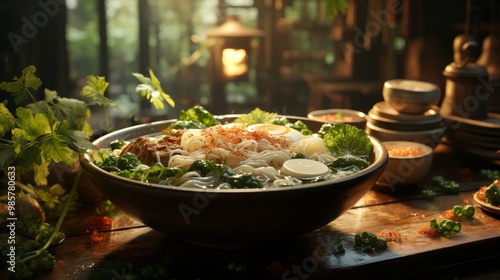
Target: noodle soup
{"points": [[232, 156]]}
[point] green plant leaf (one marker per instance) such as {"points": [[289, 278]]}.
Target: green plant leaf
{"points": [[57, 150], [94, 91], [32, 126], [61, 108], [41, 172], [7, 153], [345, 139], [20, 87], [7, 120], [150, 88], [157, 85], [334, 7], [76, 140]]}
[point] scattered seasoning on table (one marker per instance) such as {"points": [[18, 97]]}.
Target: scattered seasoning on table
{"points": [[390, 236], [94, 225], [428, 231], [98, 223]]}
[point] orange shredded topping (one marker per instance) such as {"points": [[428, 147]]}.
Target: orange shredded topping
{"points": [[226, 137], [390, 236], [398, 151]]}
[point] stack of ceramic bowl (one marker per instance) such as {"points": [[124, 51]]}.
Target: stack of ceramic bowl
{"points": [[408, 113], [477, 137]]}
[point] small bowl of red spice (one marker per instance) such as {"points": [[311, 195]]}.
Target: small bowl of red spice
{"points": [[409, 163]]}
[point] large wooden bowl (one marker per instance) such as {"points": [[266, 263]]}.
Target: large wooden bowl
{"points": [[233, 218]]}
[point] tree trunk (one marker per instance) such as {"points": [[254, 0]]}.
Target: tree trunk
{"points": [[35, 33], [103, 42]]}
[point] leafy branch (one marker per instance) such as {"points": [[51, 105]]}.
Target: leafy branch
{"points": [[55, 130], [334, 7]]}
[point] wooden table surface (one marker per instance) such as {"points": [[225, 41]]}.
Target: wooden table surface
{"points": [[129, 246]]}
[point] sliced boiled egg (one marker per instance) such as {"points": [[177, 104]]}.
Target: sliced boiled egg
{"points": [[304, 168], [291, 134]]}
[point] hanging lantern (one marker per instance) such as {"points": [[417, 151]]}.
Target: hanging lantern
{"points": [[232, 52]]}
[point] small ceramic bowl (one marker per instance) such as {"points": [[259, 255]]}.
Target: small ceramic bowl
{"points": [[409, 163], [409, 96], [351, 117]]}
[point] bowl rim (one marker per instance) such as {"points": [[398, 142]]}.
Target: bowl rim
{"points": [[396, 84], [314, 114], [379, 152], [426, 150], [406, 133]]}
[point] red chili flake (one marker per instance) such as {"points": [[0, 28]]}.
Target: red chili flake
{"points": [[449, 215], [390, 236], [95, 238], [428, 231], [98, 223]]}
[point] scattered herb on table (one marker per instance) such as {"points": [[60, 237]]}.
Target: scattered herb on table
{"points": [[428, 193], [444, 185], [444, 228], [490, 174], [460, 213], [370, 242]]}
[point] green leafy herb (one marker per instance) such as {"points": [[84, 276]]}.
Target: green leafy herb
{"points": [[369, 242], [117, 144], [183, 125], [299, 125], [20, 87], [198, 114], [256, 116], [57, 108], [94, 91], [205, 167], [492, 193], [345, 139], [445, 227], [7, 120], [240, 181], [113, 163], [348, 164], [150, 88], [156, 174]]}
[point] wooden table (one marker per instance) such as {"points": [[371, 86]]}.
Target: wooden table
{"points": [[473, 254]]}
